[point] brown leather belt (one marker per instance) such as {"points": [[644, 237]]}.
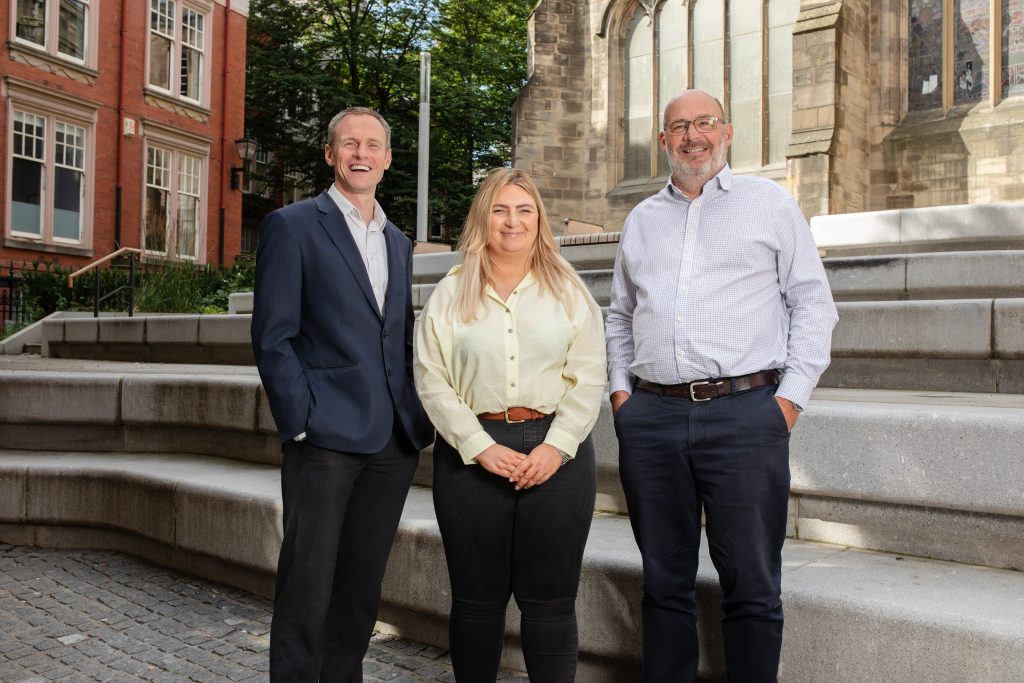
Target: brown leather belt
{"points": [[705, 390], [513, 415]]}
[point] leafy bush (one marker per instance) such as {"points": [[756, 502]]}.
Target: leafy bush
{"points": [[159, 288]]}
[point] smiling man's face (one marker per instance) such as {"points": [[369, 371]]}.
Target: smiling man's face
{"points": [[694, 155], [359, 155]]}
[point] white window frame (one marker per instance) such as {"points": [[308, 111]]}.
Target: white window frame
{"points": [[179, 149], [32, 100], [51, 40], [182, 37]]}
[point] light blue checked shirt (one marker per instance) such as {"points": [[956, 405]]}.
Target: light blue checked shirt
{"points": [[727, 284]]}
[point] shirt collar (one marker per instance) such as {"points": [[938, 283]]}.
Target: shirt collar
{"points": [[348, 209], [722, 179]]}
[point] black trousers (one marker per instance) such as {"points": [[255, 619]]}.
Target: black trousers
{"points": [[730, 456], [341, 512], [501, 542]]}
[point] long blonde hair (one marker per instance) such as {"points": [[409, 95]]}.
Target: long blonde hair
{"points": [[552, 271]]}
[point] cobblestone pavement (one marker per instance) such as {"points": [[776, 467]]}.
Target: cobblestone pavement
{"points": [[82, 615]]}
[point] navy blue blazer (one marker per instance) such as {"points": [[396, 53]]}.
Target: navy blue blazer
{"points": [[332, 365]]}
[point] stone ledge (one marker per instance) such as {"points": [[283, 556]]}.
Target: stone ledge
{"points": [[940, 228], [954, 275], [920, 619]]}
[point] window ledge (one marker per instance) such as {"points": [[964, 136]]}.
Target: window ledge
{"points": [[634, 187], [58, 66], [177, 106], [35, 245]]}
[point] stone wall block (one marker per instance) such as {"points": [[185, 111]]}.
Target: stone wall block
{"points": [[861, 229], [12, 493], [921, 329], [174, 329], [81, 330], [226, 402], [225, 329], [103, 493], [58, 397], [860, 276], [265, 419], [233, 515], [979, 221], [122, 330], [923, 453], [1009, 328], [992, 271]]}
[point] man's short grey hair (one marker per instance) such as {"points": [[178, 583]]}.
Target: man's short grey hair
{"points": [[357, 111]]}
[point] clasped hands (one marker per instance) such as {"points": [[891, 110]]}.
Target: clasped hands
{"points": [[525, 471]]}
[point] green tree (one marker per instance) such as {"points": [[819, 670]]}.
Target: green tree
{"points": [[308, 59], [479, 67]]}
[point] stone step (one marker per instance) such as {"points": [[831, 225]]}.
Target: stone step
{"points": [[919, 619], [935, 474]]}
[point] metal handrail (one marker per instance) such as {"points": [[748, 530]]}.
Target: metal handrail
{"points": [[97, 299], [99, 262]]}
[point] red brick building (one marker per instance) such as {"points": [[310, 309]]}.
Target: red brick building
{"points": [[119, 122]]}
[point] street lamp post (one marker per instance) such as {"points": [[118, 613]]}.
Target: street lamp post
{"points": [[424, 149]]}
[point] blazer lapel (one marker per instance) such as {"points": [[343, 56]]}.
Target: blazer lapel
{"points": [[337, 231], [396, 269]]}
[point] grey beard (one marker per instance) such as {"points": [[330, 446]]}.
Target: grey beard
{"points": [[706, 170]]}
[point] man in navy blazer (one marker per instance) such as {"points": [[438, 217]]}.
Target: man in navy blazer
{"points": [[332, 334]]}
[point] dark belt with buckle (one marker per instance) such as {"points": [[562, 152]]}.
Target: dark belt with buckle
{"points": [[514, 415], [705, 390]]}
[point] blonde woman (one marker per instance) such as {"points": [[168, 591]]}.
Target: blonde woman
{"points": [[509, 365]]}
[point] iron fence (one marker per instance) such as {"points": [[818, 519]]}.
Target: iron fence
{"points": [[12, 309]]}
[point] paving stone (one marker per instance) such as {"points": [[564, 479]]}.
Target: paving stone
{"points": [[71, 616]]}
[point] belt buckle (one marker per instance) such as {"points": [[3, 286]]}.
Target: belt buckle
{"points": [[697, 384], [509, 420]]}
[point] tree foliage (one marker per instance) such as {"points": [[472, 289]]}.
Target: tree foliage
{"points": [[307, 59]]}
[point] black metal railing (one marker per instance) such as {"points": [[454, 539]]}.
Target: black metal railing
{"points": [[12, 309], [134, 255]]}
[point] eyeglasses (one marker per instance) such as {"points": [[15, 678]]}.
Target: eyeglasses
{"points": [[703, 124]]}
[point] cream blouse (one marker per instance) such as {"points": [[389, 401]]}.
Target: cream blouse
{"points": [[527, 351]]}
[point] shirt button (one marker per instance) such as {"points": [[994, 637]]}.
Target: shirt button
{"points": [[511, 357], [510, 330], [513, 384]]}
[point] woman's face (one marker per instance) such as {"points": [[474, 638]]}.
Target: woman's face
{"points": [[514, 222]]}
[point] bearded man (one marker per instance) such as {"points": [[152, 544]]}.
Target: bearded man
{"points": [[719, 328]]}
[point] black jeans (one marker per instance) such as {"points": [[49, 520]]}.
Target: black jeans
{"points": [[341, 512], [501, 542], [730, 456]]}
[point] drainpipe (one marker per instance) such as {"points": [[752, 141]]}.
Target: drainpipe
{"points": [[120, 128], [224, 132]]}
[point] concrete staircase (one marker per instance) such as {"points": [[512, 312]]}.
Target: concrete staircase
{"points": [[907, 516]]}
